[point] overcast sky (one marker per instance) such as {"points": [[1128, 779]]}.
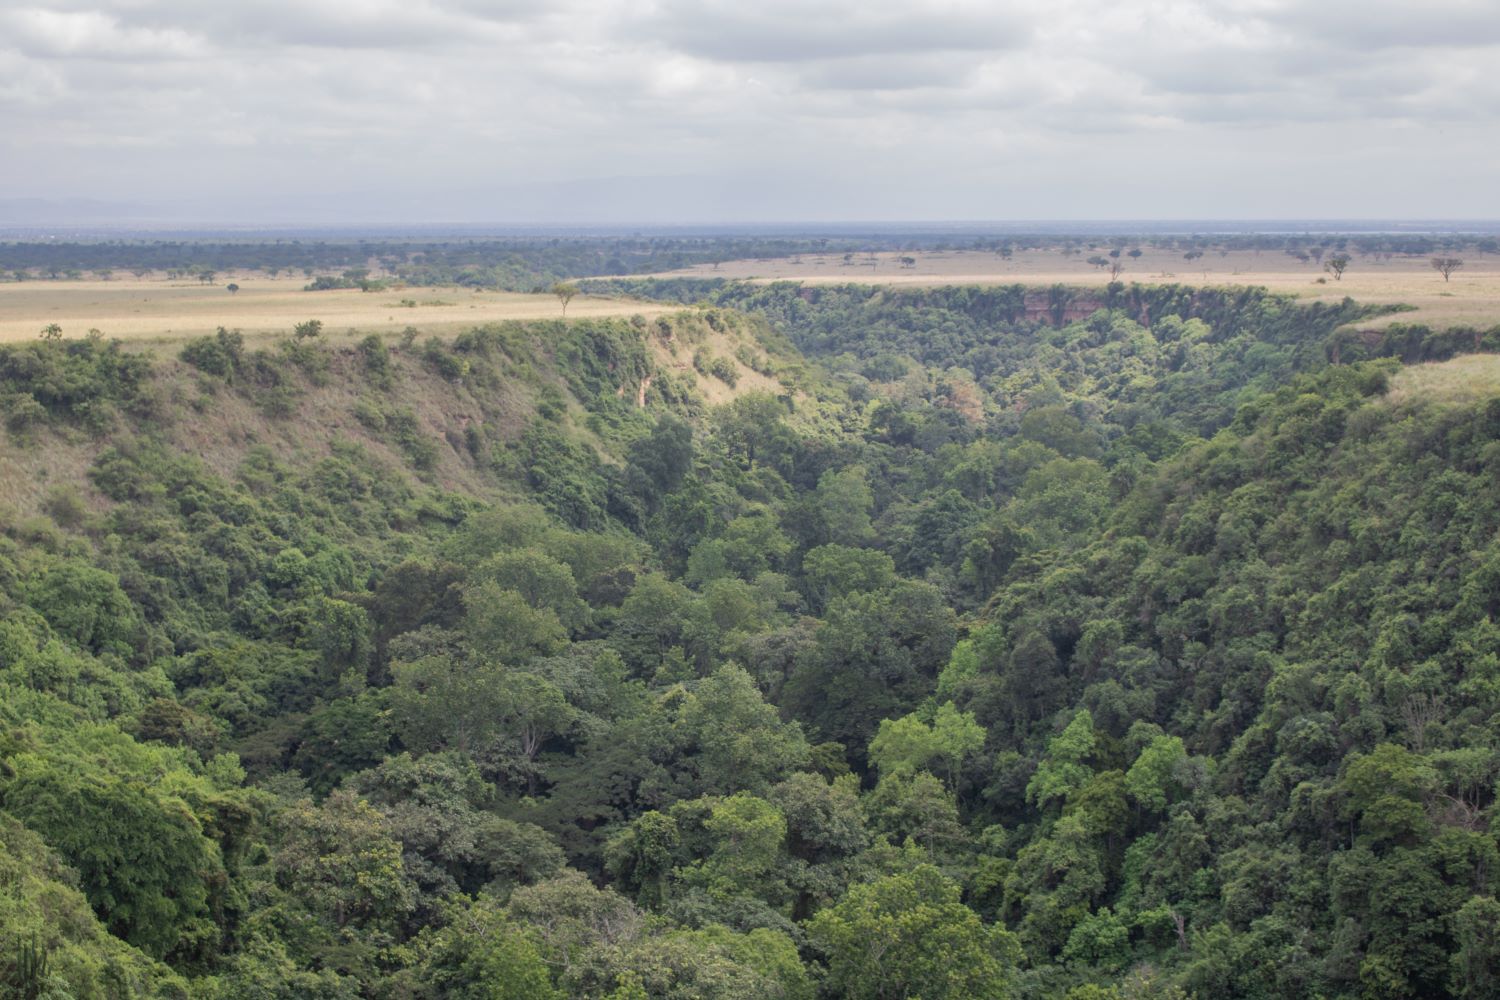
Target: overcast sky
{"points": [[753, 110]]}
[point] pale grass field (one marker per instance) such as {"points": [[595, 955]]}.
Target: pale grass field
{"points": [[1472, 297], [156, 309], [1465, 379]]}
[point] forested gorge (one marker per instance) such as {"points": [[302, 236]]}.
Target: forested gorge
{"points": [[808, 643]]}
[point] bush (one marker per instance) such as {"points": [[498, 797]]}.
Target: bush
{"points": [[219, 355]]}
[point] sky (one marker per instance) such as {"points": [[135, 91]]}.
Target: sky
{"points": [[691, 111]]}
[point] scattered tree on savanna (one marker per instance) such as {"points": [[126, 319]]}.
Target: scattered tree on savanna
{"points": [[311, 328], [232, 287], [565, 290], [1336, 264], [1115, 267], [52, 332], [1098, 261], [1446, 265], [1192, 255]]}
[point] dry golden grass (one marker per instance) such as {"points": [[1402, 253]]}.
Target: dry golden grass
{"points": [[158, 309], [1472, 297], [1465, 379]]}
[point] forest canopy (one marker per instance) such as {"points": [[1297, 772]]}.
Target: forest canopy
{"points": [[805, 643]]}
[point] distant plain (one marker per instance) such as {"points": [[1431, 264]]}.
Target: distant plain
{"points": [[1470, 297], [154, 307]]}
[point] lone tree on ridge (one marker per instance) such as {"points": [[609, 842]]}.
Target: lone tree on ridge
{"points": [[565, 290]]}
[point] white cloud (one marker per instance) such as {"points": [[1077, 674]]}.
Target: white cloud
{"points": [[93, 34]]}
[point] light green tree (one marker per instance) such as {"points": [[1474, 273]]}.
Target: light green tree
{"points": [[912, 742], [1062, 770], [908, 935]]}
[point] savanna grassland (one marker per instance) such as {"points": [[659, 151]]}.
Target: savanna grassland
{"points": [[1470, 296], [158, 308]]}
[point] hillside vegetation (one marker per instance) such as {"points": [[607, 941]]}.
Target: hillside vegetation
{"points": [[809, 643]]}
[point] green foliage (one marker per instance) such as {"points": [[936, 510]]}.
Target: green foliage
{"points": [[55, 946], [912, 743], [150, 857], [1064, 769], [908, 935], [1028, 643]]}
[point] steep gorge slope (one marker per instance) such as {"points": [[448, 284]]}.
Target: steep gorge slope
{"points": [[1101, 657]]}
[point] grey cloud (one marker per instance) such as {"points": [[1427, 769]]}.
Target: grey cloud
{"points": [[1366, 26], [340, 24], [945, 105], [792, 31], [887, 72]]}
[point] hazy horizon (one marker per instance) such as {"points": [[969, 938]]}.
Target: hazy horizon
{"points": [[59, 220]]}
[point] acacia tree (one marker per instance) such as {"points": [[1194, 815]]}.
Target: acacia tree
{"points": [[1446, 265], [1336, 264], [565, 290]]}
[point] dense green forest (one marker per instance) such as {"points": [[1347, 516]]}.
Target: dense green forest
{"points": [[809, 643]]}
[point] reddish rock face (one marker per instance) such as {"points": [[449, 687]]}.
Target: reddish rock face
{"points": [[1040, 309]]}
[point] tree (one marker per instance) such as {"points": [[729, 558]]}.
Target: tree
{"points": [[908, 935], [232, 287], [1063, 770], [565, 290], [844, 501], [542, 581], [311, 328], [141, 857], [52, 331], [341, 861], [913, 742], [1336, 264], [1476, 964], [1446, 265], [1151, 779]]}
